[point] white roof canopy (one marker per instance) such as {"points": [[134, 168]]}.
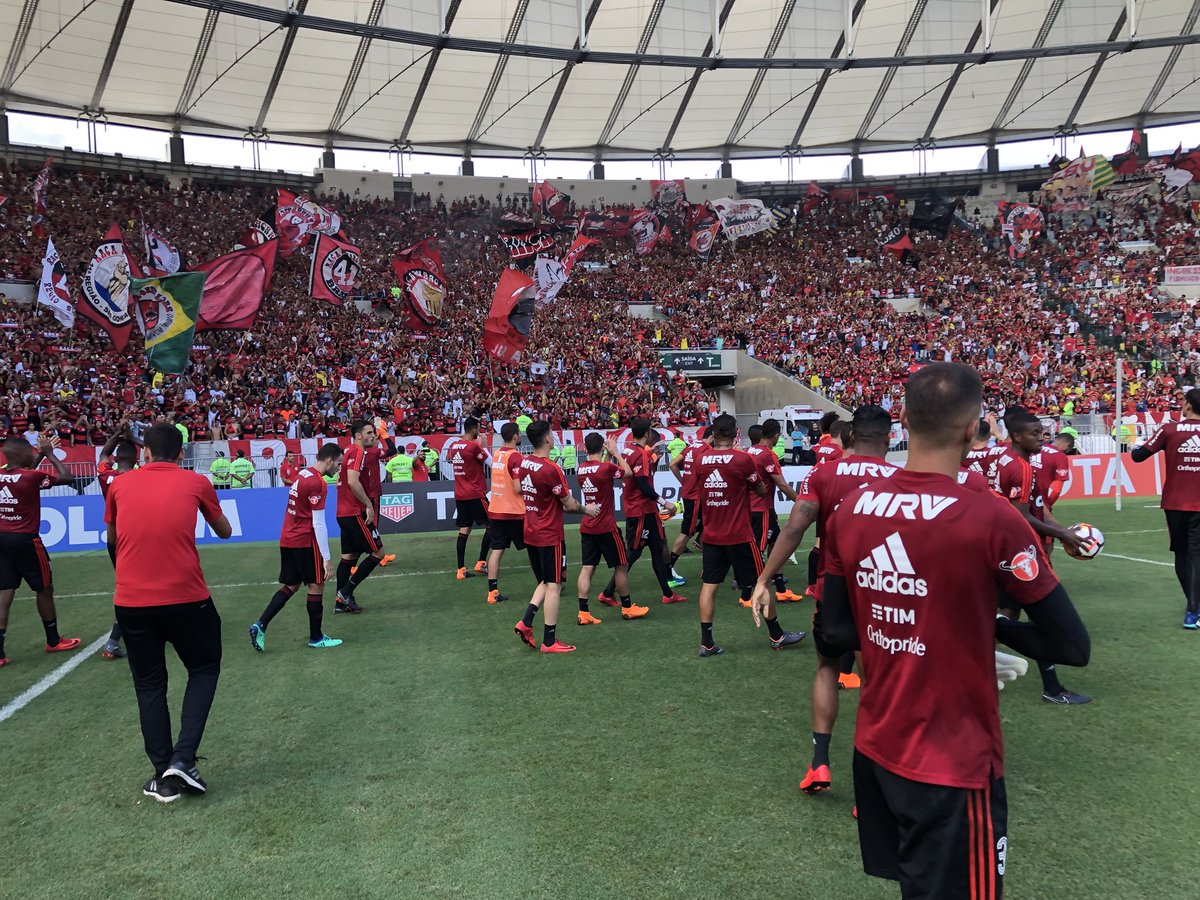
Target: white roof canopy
{"points": [[699, 77]]}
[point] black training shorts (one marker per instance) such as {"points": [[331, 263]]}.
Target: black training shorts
{"points": [[941, 843], [764, 537], [745, 560], [549, 564], [608, 546], [508, 533], [23, 557], [468, 513], [301, 565], [691, 517], [1183, 528], [358, 537]]}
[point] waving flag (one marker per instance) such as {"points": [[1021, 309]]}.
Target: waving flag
{"points": [[259, 232], [812, 198], [551, 274], [667, 196], [336, 270], [550, 202], [106, 289], [297, 217], [607, 223], [1127, 163], [781, 216], [527, 245], [236, 285], [703, 225], [52, 289], [1022, 224], [742, 218], [506, 332], [1075, 184], [161, 254], [647, 229], [423, 281], [40, 184], [167, 308]]}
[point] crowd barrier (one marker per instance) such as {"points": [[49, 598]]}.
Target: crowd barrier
{"points": [[77, 523]]}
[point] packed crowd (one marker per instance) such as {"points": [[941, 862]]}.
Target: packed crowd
{"points": [[813, 301]]}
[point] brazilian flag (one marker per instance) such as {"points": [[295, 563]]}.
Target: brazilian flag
{"points": [[166, 310]]}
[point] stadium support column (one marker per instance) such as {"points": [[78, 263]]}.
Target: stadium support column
{"points": [[993, 157], [856, 166], [327, 158], [175, 148], [3, 128], [468, 165], [726, 166], [1143, 147], [598, 167]]}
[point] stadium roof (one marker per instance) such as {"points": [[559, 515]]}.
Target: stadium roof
{"points": [[702, 78]]}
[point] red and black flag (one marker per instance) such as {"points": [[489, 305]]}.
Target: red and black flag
{"points": [[297, 216], [105, 287], [40, 184], [235, 287], [527, 245], [1127, 163], [422, 283], [933, 214], [260, 231], [896, 240], [551, 203], [1022, 225], [667, 196], [336, 270], [703, 226], [607, 223], [812, 198], [506, 332], [647, 229]]}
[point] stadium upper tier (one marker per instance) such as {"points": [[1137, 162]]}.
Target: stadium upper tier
{"points": [[608, 78]]}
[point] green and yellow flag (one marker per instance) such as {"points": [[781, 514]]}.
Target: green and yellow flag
{"points": [[166, 310]]}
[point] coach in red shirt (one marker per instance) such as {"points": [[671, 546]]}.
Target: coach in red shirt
{"points": [[913, 565], [161, 598]]}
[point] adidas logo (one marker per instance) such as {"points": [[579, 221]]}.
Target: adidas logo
{"points": [[1191, 445], [889, 570], [587, 485], [527, 485], [6, 496], [714, 480]]}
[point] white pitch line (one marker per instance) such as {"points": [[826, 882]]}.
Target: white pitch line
{"points": [[245, 584], [1149, 562], [1139, 531], [19, 702]]}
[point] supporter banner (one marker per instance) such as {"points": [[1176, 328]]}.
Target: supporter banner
{"points": [[1181, 274], [1022, 225], [646, 232], [782, 216], [166, 310], [106, 289], [260, 231], [236, 285], [933, 214], [741, 218], [608, 223], [506, 332], [550, 202], [812, 198], [297, 216], [529, 244], [53, 290], [423, 281], [335, 272], [667, 195], [551, 274], [162, 254], [1073, 186]]}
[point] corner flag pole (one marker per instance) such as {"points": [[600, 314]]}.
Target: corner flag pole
{"points": [[1120, 429]]}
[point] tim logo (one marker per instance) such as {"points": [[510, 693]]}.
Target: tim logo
{"points": [[397, 507]]}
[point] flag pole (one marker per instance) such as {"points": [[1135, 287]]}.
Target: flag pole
{"points": [[1120, 430]]}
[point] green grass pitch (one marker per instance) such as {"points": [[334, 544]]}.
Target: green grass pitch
{"points": [[434, 756]]}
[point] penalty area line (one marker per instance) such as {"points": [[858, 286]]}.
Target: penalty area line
{"points": [[246, 584], [1137, 559], [40, 687]]}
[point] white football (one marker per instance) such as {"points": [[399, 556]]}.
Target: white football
{"points": [[1093, 535]]}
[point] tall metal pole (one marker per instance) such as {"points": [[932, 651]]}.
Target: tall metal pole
{"points": [[1120, 428]]}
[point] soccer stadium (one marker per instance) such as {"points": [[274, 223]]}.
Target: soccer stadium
{"points": [[817, 380]]}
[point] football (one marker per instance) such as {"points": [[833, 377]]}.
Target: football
{"points": [[1089, 533]]}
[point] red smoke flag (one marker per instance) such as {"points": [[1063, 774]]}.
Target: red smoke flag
{"points": [[552, 203], [422, 282], [506, 332], [235, 287], [336, 270], [105, 287]]}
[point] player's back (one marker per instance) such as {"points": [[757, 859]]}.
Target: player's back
{"points": [[767, 465], [596, 483], [724, 476], [828, 485], [306, 498]]}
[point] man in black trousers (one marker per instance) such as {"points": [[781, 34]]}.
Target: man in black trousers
{"points": [[161, 598]]}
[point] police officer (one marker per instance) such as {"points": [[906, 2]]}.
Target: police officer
{"points": [[523, 422], [569, 456], [556, 455], [241, 471], [676, 446], [399, 467], [780, 447], [218, 470], [429, 456]]}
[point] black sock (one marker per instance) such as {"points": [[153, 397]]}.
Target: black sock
{"points": [[530, 615], [774, 628], [813, 556], [493, 584], [485, 545], [343, 573], [114, 636], [548, 637], [674, 559], [2, 633], [706, 638], [462, 550], [626, 602], [313, 605], [52, 636], [820, 749], [278, 601], [1050, 682], [746, 592], [780, 587], [365, 568], [847, 665], [583, 602]]}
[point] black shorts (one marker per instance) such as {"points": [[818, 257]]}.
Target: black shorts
{"points": [[745, 560], [301, 565], [764, 537], [1183, 528], [644, 531], [470, 512], [691, 517], [943, 843], [608, 546], [357, 536], [23, 557], [508, 533], [549, 564], [823, 647]]}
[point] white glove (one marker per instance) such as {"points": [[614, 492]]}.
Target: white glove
{"points": [[1009, 668]]}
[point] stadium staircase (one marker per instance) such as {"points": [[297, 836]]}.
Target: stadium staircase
{"points": [[761, 386]]}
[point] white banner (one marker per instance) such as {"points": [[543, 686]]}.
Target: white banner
{"points": [[52, 289], [1181, 274], [740, 218]]}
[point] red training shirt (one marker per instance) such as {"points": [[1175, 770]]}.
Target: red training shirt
{"points": [[469, 461], [767, 464], [306, 498], [596, 480], [542, 483], [688, 488], [371, 481], [641, 462], [924, 557], [106, 474], [826, 486], [827, 451], [354, 460], [21, 499], [1180, 443], [725, 477], [153, 511]]}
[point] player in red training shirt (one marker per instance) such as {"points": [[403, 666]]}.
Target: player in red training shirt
{"points": [[544, 488], [643, 527], [828, 449], [819, 497], [356, 520], [304, 550], [384, 449], [23, 557], [599, 537], [118, 456], [763, 519], [913, 564], [683, 467], [468, 461], [981, 458], [728, 477], [1017, 481], [1179, 442], [1051, 471]]}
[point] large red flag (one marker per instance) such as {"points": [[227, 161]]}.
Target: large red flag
{"points": [[423, 283], [506, 332], [336, 270], [297, 216], [552, 203], [235, 287], [105, 286]]}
